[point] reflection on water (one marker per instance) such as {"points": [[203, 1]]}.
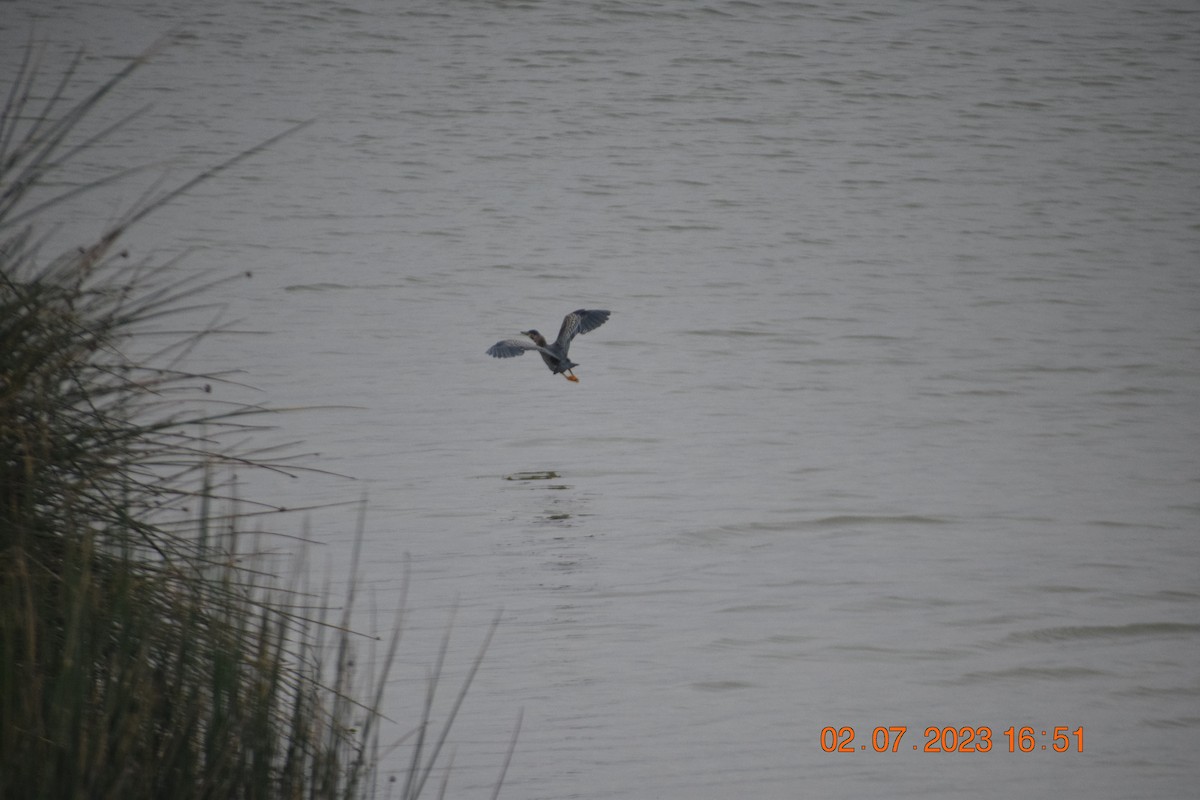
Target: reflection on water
{"points": [[557, 510], [895, 419]]}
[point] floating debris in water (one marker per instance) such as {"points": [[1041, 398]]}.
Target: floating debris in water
{"points": [[543, 475]]}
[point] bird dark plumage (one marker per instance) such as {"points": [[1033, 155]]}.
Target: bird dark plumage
{"points": [[555, 355]]}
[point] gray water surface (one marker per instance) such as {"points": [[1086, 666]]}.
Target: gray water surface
{"points": [[896, 420]]}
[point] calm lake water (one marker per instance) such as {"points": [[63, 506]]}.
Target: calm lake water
{"points": [[896, 420]]}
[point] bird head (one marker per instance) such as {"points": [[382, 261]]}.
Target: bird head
{"points": [[537, 337]]}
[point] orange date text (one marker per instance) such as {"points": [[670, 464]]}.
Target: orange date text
{"points": [[953, 739]]}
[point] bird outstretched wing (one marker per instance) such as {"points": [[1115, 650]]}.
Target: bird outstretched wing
{"points": [[579, 322], [511, 347]]}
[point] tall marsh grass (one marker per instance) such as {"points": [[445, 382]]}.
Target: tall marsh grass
{"points": [[146, 650]]}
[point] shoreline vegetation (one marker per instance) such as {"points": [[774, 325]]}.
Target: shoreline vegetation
{"points": [[147, 649]]}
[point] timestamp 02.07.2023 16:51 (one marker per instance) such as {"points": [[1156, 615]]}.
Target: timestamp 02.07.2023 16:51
{"points": [[955, 739]]}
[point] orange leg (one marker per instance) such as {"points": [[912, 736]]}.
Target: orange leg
{"points": [[571, 377]]}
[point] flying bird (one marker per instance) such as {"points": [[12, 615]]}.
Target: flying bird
{"points": [[555, 355]]}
